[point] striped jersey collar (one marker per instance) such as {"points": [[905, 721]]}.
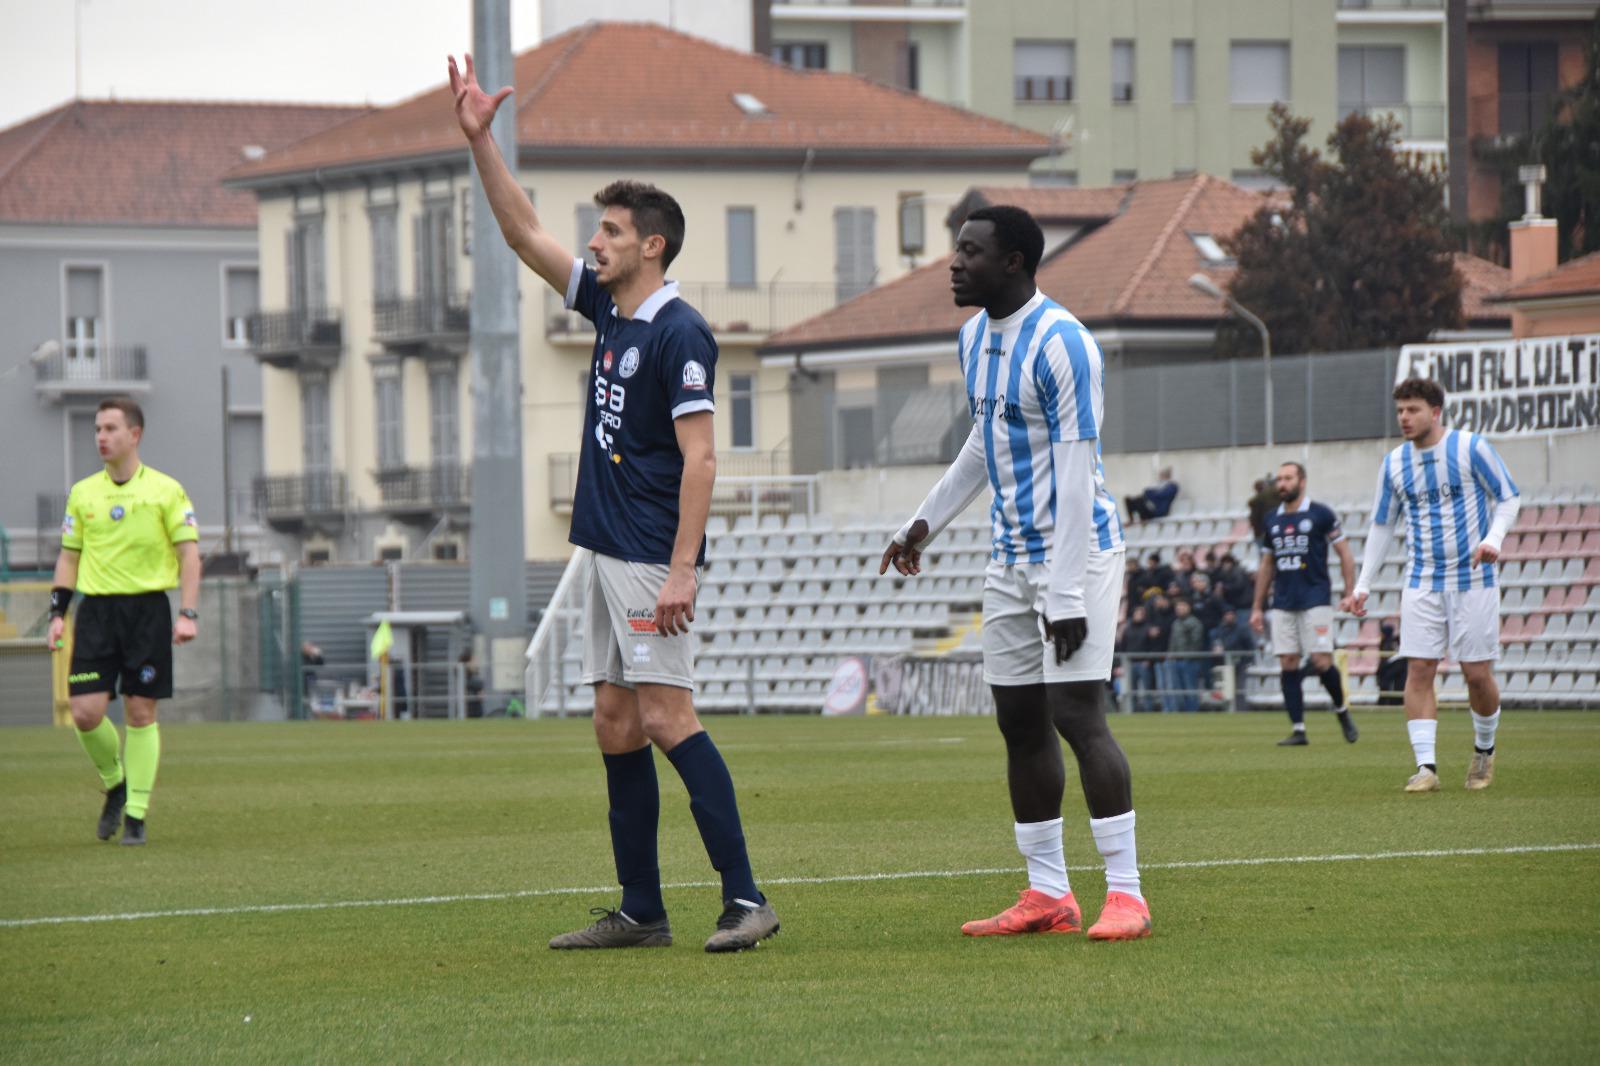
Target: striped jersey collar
{"points": [[1003, 324]]}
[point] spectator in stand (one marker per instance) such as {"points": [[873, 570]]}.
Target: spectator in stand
{"points": [[1392, 667], [1237, 586], [1207, 601], [1158, 609], [1262, 504], [1131, 581], [1235, 640], [1138, 672], [1184, 568], [1155, 501], [1155, 575], [1187, 639]]}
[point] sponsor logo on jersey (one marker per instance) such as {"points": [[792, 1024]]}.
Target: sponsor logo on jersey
{"points": [[694, 375], [117, 512], [606, 362], [641, 620], [641, 653], [630, 363], [92, 675]]}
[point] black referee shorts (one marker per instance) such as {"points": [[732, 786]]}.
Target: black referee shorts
{"points": [[123, 643]]}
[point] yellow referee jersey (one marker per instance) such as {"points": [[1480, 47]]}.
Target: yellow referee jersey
{"points": [[125, 533]]}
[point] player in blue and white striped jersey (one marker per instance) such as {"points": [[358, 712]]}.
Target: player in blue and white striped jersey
{"points": [[1459, 501], [1035, 390]]}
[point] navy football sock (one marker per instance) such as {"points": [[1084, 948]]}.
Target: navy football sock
{"points": [[716, 812], [1335, 686], [635, 812], [1293, 699]]}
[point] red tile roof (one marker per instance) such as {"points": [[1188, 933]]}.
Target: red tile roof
{"points": [[1575, 277], [1052, 203], [1133, 268], [613, 87], [1482, 282], [144, 162]]}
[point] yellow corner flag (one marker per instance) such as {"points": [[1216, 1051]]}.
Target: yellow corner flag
{"points": [[382, 640]]}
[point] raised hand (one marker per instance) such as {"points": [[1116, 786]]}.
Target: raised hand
{"points": [[474, 108]]}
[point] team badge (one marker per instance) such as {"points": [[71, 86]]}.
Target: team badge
{"points": [[694, 375], [117, 512], [67, 524], [1305, 525], [606, 362], [630, 363], [147, 675]]}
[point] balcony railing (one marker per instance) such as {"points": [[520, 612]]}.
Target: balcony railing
{"points": [[735, 471], [1041, 88], [298, 498], [285, 338], [425, 489], [419, 319], [754, 310], [105, 368], [1418, 122]]}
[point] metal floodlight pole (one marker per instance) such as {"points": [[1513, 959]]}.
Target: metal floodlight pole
{"points": [[497, 552], [1201, 283]]}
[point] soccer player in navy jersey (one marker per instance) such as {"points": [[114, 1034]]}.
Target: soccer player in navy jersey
{"points": [[1459, 502], [1294, 565], [1036, 393], [644, 490]]}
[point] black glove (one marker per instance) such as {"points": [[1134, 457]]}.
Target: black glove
{"points": [[1068, 635]]}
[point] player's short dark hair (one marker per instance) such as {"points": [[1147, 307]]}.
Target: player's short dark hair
{"points": [[1016, 231], [1299, 468], [655, 214], [1425, 389], [132, 413]]}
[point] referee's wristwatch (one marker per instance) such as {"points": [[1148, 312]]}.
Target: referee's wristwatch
{"points": [[191, 614]]}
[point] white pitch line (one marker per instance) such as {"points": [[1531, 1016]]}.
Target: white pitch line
{"points": [[904, 875]]}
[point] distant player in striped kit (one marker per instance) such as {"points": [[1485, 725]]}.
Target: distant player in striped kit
{"points": [[1035, 390], [1459, 502]]}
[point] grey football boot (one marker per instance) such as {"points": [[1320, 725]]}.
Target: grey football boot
{"points": [[613, 929]]}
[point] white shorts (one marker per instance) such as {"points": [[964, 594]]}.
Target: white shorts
{"points": [[620, 642], [1307, 632], [1015, 649], [1459, 624]]}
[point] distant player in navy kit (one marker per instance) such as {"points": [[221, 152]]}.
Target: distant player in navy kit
{"points": [[644, 490], [1294, 565]]}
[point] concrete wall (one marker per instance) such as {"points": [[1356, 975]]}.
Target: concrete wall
{"points": [[163, 289], [1342, 472]]}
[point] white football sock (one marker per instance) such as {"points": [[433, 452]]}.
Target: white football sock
{"points": [[1484, 728], [1114, 837], [1423, 731], [1040, 844]]}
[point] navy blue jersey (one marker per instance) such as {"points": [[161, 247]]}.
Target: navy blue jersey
{"points": [[647, 371], [1299, 543]]}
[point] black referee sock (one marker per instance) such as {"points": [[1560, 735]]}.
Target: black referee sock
{"points": [[716, 812], [635, 813]]}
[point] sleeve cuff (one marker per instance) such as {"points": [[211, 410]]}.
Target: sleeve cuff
{"points": [[572, 282], [689, 407]]}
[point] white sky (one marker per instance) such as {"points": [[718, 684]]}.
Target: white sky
{"points": [[322, 51]]}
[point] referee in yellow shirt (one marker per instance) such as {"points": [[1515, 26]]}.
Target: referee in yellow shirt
{"points": [[129, 535]]}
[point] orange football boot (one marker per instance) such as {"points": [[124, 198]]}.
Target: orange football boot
{"points": [[1125, 918], [1034, 912]]}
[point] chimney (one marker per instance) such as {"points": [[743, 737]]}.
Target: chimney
{"points": [[1533, 239]]}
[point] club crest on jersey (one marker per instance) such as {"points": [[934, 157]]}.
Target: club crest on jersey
{"points": [[117, 512], [1305, 525], [694, 375], [630, 363]]}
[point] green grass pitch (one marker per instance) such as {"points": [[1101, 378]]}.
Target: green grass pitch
{"points": [[1489, 957]]}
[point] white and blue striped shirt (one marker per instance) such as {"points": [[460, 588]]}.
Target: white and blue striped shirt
{"points": [[1448, 493], [1033, 379]]}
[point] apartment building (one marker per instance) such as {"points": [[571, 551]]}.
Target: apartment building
{"points": [[801, 189], [126, 267]]}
